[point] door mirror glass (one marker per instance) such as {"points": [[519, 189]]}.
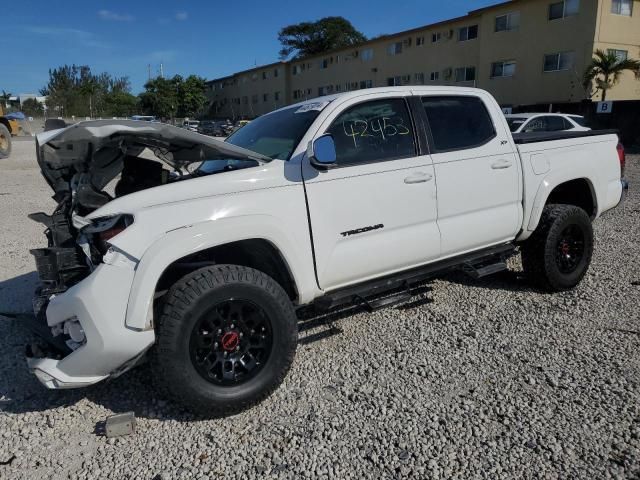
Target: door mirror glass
{"points": [[323, 151]]}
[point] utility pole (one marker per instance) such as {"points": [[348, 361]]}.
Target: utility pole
{"points": [[161, 71], [149, 71]]}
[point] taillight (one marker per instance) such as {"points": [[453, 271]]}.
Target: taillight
{"points": [[621, 157]]}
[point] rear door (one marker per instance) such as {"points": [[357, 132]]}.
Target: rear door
{"points": [[374, 213], [477, 173]]}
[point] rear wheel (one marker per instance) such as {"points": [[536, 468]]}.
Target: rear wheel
{"points": [[558, 254], [5, 142], [225, 340]]}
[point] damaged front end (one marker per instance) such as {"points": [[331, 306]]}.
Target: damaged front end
{"points": [[85, 281]]}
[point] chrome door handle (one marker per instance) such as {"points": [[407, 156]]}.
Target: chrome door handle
{"points": [[418, 178], [499, 165]]}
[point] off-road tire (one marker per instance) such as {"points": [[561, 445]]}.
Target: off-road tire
{"points": [[539, 252], [173, 370], [5, 142]]}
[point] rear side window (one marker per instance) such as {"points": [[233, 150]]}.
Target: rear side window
{"points": [[580, 121], [555, 124], [458, 122], [373, 131]]}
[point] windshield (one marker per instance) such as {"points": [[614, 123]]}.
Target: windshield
{"points": [[276, 134], [515, 123]]}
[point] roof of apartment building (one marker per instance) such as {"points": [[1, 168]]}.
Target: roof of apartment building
{"points": [[471, 14]]}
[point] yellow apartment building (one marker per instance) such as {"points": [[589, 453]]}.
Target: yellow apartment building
{"points": [[522, 51]]}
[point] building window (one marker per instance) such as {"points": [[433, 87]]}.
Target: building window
{"points": [[276, 96], [324, 64], [395, 48], [419, 78], [297, 94], [622, 7], [419, 41], [276, 72], [503, 69], [254, 98], [558, 61], [367, 54], [308, 92], [434, 76], [264, 75], [297, 69], [436, 37], [406, 79], [366, 84], [467, 33], [465, 74], [394, 81], [265, 97], [563, 9], [508, 22], [621, 55], [322, 91]]}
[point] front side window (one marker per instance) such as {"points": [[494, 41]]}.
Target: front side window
{"points": [[558, 61], [458, 122], [567, 8], [374, 131], [508, 22], [465, 74], [468, 33], [622, 7], [503, 69]]}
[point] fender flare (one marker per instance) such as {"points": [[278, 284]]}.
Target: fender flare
{"points": [[191, 239], [548, 184]]}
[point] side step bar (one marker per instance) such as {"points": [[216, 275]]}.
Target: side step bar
{"points": [[491, 260]]}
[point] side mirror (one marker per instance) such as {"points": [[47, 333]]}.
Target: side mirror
{"points": [[322, 152]]}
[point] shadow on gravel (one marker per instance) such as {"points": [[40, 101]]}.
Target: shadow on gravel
{"points": [[507, 280], [16, 293]]}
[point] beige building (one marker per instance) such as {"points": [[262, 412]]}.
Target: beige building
{"points": [[523, 51]]}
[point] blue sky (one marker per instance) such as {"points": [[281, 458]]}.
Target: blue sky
{"points": [[208, 38]]}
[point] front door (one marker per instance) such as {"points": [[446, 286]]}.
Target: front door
{"points": [[374, 213]]}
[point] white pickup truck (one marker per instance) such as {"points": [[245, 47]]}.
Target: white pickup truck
{"points": [[196, 253]]}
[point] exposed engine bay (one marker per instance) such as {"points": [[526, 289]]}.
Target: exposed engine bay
{"points": [[92, 163]]}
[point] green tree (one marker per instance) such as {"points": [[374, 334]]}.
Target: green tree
{"points": [[119, 104], [160, 96], [604, 72], [5, 98], [191, 96], [32, 108], [311, 38]]}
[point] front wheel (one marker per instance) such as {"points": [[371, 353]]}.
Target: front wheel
{"points": [[558, 254], [225, 340]]}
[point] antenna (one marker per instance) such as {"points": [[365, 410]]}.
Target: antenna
{"points": [[161, 71], [149, 70]]}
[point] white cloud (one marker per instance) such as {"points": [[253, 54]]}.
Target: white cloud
{"points": [[182, 16], [115, 17], [83, 37]]}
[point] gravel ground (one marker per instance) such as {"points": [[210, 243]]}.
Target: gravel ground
{"points": [[486, 379]]}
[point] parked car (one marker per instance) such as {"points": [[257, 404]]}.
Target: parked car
{"points": [[211, 128], [546, 122], [322, 203], [191, 125]]}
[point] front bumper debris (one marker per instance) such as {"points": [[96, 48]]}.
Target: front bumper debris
{"points": [[99, 304]]}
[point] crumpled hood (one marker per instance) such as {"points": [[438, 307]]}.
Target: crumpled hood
{"points": [[91, 153]]}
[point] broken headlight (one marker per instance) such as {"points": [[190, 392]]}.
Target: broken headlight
{"points": [[104, 229]]}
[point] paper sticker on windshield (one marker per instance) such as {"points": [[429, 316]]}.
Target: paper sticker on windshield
{"points": [[317, 106]]}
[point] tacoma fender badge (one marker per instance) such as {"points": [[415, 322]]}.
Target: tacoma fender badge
{"points": [[357, 231]]}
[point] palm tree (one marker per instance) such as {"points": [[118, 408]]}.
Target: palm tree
{"points": [[605, 70], [5, 98]]}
